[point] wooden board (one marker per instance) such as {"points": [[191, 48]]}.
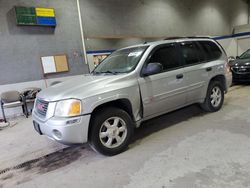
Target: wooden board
{"points": [[61, 63]]}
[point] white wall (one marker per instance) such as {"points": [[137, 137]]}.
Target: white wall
{"points": [[235, 46], [230, 46], [243, 44]]}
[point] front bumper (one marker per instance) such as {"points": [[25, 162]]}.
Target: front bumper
{"points": [[242, 77], [64, 130]]}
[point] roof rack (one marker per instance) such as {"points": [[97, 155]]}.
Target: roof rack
{"points": [[191, 37], [174, 38]]}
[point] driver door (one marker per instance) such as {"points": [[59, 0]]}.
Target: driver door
{"points": [[166, 90]]}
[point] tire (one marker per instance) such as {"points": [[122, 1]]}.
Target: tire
{"points": [[214, 102], [106, 126]]}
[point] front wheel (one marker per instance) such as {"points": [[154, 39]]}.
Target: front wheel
{"points": [[214, 98], [111, 131]]}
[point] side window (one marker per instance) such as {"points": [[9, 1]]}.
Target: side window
{"points": [[167, 56], [211, 50], [191, 53]]}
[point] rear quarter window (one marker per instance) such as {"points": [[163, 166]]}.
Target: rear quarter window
{"points": [[212, 51]]}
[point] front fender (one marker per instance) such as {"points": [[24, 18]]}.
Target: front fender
{"points": [[132, 94]]}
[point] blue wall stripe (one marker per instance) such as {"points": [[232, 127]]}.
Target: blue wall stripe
{"points": [[241, 34], [99, 51], [232, 36], [223, 37]]}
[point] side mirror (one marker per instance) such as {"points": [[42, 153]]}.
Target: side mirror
{"points": [[152, 68], [237, 57], [231, 58]]}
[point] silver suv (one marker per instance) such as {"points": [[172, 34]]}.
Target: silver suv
{"points": [[130, 86]]}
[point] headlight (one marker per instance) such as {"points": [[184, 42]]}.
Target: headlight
{"points": [[68, 108]]}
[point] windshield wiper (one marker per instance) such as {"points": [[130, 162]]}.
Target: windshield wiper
{"points": [[107, 72]]}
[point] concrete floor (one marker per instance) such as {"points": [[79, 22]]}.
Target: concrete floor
{"points": [[183, 149]]}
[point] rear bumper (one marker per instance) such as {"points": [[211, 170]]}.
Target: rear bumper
{"points": [[64, 130]]}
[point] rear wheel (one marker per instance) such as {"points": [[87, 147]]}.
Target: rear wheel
{"points": [[111, 131], [214, 98]]}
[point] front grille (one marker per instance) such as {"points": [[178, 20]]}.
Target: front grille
{"points": [[42, 107], [241, 69], [243, 77]]}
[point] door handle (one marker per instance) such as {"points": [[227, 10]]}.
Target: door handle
{"points": [[179, 76], [208, 69]]}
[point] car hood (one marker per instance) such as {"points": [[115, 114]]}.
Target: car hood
{"points": [[83, 86], [241, 62]]}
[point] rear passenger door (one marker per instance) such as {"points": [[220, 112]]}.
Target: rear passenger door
{"points": [[164, 91], [198, 57]]}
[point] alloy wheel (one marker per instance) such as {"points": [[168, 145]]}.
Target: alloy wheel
{"points": [[113, 132], [216, 96]]}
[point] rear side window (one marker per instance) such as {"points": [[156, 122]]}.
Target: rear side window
{"points": [[212, 51], [191, 53]]}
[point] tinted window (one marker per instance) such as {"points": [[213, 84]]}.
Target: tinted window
{"points": [[212, 51], [245, 55], [167, 56], [191, 52]]}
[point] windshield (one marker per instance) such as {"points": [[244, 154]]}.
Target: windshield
{"points": [[245, 55], [121, 61]]}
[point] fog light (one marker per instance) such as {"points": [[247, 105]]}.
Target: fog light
{"points": [[57, 134]]}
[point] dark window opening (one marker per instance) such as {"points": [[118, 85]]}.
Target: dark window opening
{"points": [[192, 54], [212, 51], [167, 56]]}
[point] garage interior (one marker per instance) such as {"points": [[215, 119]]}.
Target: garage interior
{"points": [[184, 148]]}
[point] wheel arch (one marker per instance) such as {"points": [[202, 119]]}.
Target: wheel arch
{"points": [[122, 103], [221, 78], [206, 104]]}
